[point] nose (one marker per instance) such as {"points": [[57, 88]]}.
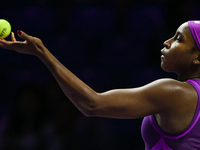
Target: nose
{"points": [[167, 43]]}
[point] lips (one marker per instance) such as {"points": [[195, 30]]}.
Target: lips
{"points": [[162, 53]]}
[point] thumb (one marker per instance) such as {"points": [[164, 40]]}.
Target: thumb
{"points": [[24, 36]]}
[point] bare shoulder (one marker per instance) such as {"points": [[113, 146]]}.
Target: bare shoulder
{"points": [[171, 94], [177, 101], [167, 85]]}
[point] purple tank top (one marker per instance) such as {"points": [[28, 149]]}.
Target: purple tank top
{"points": [[156, 139]]}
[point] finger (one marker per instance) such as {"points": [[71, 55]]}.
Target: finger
{"points": [[13, 37], [3, 42], [24, 36], [10, 44]]}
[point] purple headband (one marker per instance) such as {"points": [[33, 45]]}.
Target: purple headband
{"points": [[195, 30]]}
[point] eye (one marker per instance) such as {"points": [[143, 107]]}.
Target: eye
{"points": [[178, 38]]}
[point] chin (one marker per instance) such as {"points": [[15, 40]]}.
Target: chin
{"points": [[165, 68]]}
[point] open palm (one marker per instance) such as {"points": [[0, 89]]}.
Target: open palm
{"points": [[30, 45]]}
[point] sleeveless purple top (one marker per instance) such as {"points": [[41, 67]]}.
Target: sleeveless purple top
{"points": [[156, 139]]}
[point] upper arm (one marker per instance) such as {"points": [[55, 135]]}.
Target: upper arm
{"points": [[156, 97]]}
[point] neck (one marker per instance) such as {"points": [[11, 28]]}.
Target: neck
{"points": [[188, 76]]}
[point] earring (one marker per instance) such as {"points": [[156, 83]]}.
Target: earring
{"points": [[195, 62]]}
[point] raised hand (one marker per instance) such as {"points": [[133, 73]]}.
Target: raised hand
{"points": [[31, 45]]}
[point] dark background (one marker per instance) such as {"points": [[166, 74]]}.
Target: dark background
{"points": [[107, 43]]}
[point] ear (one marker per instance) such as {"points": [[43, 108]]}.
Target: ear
{"points": [[196, 61], [196, 58]]}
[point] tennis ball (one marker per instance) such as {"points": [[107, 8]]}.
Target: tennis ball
{"points": [[5, 28]]}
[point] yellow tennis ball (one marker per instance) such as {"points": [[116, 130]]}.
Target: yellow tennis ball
{"points": [[5, 28]]}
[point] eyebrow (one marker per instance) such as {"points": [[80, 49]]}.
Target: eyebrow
{"points": [[180, 34]]}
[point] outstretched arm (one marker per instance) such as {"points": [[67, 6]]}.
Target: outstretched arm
{"points": [[82, 96], [121, 103]]}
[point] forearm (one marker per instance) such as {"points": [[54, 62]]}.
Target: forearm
{"points": [[81, 95]]}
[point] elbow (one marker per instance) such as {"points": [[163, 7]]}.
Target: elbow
{"points": [[89, 112], [91, 107]]}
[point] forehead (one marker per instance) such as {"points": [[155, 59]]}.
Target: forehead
{"points": [[184, 29]]}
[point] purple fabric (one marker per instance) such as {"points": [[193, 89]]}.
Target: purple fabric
{"points": [[155, 138], [195, 30], [161, 145]]}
